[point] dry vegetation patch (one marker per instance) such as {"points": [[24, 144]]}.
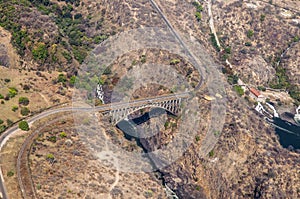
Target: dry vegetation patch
{"points": [[63, 166]]}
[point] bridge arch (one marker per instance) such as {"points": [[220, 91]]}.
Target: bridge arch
{"points": [[119, 114]]}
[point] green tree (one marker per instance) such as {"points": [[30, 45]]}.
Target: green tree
{"points": [[2, 128], [23, 125], [24, 101], [239, 90], [25, 111]]}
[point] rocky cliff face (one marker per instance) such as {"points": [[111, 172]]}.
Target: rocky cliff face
{"points": [[291, 62], [8, 55], [247, 162]]}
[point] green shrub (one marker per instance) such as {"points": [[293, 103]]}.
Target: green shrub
{"points": [[25, 111], [99, 38], [211, 153], [214, 42], [72, 80], [101, 81], [50, 156], [52, 139], [228, 50], [14, 108], [261, 88], [9, 122], [107, 71], [63, 135], [217, 133], [248, 43], [79, 54], [148, 194], [7, 80], [233, 79], [1, 121], [198, 6], [24, 101], [23, 125], [198, 16], [250, 33], [40, 52], [10, 173], [197, 138], [294, 92], [38, 187], [12, 92], [296, 39], [167, 124], [239, 90], [134, 62], [174, 61], [61, 78], [2, 128], [1, 96], [67, 56], [143, 59]]}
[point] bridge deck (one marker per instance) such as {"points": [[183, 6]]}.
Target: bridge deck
{"points": [[141, 102]]}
